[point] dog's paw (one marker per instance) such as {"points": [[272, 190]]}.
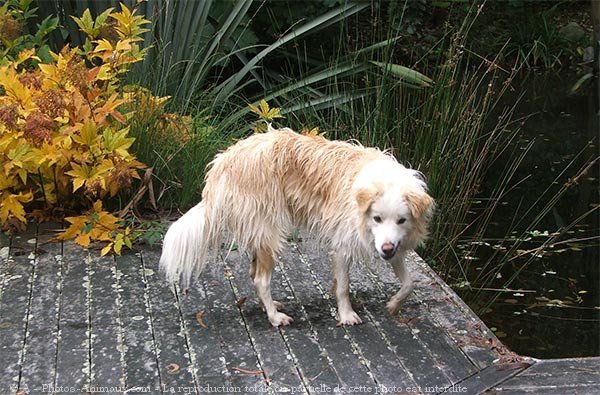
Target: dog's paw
{"points": [[393, 306], [280, 319], [349, 318]]}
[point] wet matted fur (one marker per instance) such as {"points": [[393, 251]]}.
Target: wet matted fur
{"points": [[356, 200]]}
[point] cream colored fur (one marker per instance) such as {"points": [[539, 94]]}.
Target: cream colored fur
{"points": [[262, 188]]}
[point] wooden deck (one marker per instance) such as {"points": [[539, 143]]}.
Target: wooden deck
{"points": [[73, 322]]}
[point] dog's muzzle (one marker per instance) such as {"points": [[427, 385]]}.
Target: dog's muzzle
{"points": [[388, 250]]}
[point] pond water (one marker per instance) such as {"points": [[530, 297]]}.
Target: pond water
{"points": [[553, 309]]}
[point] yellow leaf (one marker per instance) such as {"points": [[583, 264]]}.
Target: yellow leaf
{"points": [[81, 174], [77, 226], [106, 250], [12, 205], [13, 88], [26, 55], [103, 45], [83, 239], [264, 106], [97, 206], [87, 134], [104, 73]]}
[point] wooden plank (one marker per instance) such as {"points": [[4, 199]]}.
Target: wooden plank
{"points": [[273, 351], [317, 315], [481, 381], [412, 337], [141, 366], [403, 336], [386, 370], [39, 368], [578, 375], [243, 368], [203, 337], [73, 354], [171, 337], [107, 344], [460, 334], [450, 312], [18, 271], [547, 391], [4, 255]]}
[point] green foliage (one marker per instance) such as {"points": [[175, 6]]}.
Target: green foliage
{"points": [[527, 33], [14, 35], [64, 130], [536, 41]]}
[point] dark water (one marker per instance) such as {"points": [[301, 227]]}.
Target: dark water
{"points": [[556, 310]]}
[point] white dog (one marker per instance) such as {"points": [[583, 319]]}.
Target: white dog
{"points": [[355, 199]]}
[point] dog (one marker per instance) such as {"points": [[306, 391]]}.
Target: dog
{"points": [[358, 201]]}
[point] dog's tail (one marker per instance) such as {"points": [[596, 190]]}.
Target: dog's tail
{"points": [[185, 246]]}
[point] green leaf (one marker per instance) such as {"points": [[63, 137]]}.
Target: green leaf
{"points": [[405, 74], [227, 88]]}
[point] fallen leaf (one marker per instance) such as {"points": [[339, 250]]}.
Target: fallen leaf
{"points": [[246, 371], [200, 319], [240, 302], [406, 320], [172, 368]]}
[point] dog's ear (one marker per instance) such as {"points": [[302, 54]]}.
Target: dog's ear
{"points": [[420, 203], [365, 197]]}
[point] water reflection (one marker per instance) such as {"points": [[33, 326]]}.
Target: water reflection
{"points": [[553, 310]]}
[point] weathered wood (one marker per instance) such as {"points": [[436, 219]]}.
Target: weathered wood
{"points": [[107, 344], [141, 361], [243, 366], [461, 335], [14, 308], [177, 373], [314, 313], [385, 368], [73, 321], [404, 337], [270, 344], [558, 376], [482, 380], [450, 312], [73, 356], [38, 368], [430, 359], [351, 368], [200, 324], [4, 255]]}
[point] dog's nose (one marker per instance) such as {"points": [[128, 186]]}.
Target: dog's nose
{"points": [[388, 250]]}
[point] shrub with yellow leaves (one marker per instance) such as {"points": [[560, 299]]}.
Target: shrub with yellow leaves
{"points": [[266, 115], [64, 142]]}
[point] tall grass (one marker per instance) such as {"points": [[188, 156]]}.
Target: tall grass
{"points": [[454, 131]]}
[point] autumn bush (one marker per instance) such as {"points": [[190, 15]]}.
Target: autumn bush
{"points": [[64, 128]]}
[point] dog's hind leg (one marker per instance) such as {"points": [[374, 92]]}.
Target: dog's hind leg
{"points": [[260, 270], [408, 285], [341, 282], [252, 272]]}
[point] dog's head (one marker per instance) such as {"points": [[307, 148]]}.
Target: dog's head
{"points": [[394, 208]]}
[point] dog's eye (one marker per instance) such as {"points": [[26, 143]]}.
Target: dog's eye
{"points": [[401, 221], [377, 219]]}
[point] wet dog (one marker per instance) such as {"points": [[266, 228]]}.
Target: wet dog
{"points": [[356, 200]]}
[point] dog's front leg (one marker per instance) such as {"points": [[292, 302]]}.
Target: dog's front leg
{"points": [[408, 285], [260, 272], [341, 282]]}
